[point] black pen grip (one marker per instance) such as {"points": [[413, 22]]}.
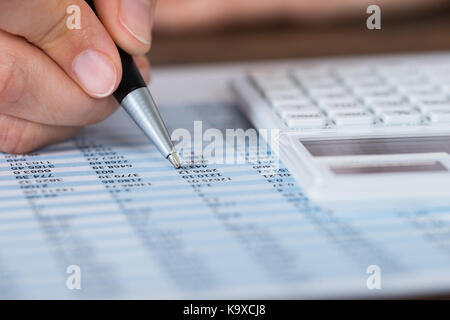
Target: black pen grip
{"points": [[131, 77]]}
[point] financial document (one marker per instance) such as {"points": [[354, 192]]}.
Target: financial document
{"points": [[105, 206]]}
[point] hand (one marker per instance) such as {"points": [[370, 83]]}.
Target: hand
{"points": [[174, 15], [54, 80]]}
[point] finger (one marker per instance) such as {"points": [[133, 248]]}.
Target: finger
{"points": [[21, 136], [144, 67], [129, 22], [35, 88], [88, 55]]}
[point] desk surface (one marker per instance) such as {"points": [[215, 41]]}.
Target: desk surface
{"points": [[422, 33]]}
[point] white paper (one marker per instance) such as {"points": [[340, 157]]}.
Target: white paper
{"points": [[108, 203]]}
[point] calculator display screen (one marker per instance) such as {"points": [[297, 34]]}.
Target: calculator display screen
{"points": [[377, 146], [390, 168]]}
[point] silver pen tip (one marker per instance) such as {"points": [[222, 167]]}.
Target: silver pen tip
{"points": [[174, 160]]}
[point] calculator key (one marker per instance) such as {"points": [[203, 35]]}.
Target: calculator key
{"points": [[363, 81], [283, 93], [335, 92], [281, 82], [399, 71], [346, 101], [438, 98], [362, 118], [264, 74], [313, 75], [379, 109], [343, 109], [418, 89], [297, 109], [439, 77], [445, 87], [408, 80], [281, 101], [392, 100], [431, 102], [352, 71], [373, 91], [380, 105], [318, 83], [436, 70], [276, 85], [306, 120], [401, 117], [439, 116], [331, 106], [428, 108]]}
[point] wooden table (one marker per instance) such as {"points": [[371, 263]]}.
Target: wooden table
{"points": [[420, 33]]}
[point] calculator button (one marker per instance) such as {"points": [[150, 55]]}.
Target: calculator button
{"points": [[379, 109], [431, 102], [373, 91], [278, 87], [314, 78], [306, 120], [388, 101], [319, 84], [408, 80], [351, 71], [445, 87], [428, 108], [335, 110], [399, 71], [363, 81], [336, 105], [275, 83], [282, 93], [401, 117], [297, 109], [268, 74], [418, 90], [353, 118], [439, 116], [281, 101], [346, 100], [336, 92], [311, 71]]}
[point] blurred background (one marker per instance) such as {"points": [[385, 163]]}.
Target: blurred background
{"points": [[208, 31]]}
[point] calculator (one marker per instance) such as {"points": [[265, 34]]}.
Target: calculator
{"points": [[358, 133]]}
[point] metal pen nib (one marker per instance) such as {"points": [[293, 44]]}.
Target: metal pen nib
{"points": [[173, 158], [142, 108]]}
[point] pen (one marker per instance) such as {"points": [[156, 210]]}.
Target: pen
{"points": [[133, 95]]}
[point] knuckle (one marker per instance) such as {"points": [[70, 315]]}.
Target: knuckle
{"points": [[12, 79], [13, 136], [56, 31]]}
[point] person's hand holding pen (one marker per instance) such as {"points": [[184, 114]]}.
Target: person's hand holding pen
{"points": [[54, 80]]}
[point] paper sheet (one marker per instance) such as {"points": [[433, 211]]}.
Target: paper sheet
{"points": [[107, 203]]}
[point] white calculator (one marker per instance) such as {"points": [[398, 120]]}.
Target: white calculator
{"points": [[359, 133]]}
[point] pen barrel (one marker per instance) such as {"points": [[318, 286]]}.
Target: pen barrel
{"points": [[131, 77]]}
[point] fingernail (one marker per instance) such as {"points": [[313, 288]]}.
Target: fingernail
{"points": [[95, 72], [136, 17]]}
